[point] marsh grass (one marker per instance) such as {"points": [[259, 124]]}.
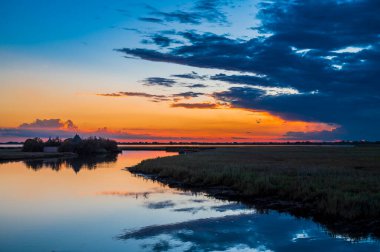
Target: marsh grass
{"points": [[339, 182]]}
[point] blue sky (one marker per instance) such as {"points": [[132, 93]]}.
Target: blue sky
{"points": [[84, 34]]}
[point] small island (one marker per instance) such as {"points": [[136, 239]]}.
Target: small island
{"points": [[35, 148]]}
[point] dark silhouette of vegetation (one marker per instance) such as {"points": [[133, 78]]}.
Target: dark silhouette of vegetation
{"points": [[334, 182], [33, 145], [53, 142], [91, 145]]}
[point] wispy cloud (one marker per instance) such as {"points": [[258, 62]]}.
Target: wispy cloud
{"points": [[151, 19], [196, 105], [192, 75], [196, 86], [155, 98], [202, 11], [159, 81], [188, 95]]}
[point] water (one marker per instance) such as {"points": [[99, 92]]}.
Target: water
{"points": [[94, 205]]}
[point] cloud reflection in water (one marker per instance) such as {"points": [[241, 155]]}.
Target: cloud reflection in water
{"points": [[241, 232]]}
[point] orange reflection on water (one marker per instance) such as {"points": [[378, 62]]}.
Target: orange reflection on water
{"points": [[61, 189]]}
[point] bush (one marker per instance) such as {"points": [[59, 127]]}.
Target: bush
{"points": [[67, 146], [33, 145], [90, 145], [96, 145]]}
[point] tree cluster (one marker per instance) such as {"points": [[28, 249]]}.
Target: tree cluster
{"points": [[91, 145]]}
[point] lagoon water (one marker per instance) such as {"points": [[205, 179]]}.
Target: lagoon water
{"points": [[94, 205]]}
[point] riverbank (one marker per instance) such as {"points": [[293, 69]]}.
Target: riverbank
{"points": [[17, 154], [338, 186]]}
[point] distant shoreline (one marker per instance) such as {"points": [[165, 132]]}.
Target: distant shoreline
{"points": [[15, 154], [12, 152]]}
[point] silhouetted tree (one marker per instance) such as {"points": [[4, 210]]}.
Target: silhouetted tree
{"points": [[33, 145], [91, 145]]}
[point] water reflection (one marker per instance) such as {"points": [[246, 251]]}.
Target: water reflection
{"points": [[136, 195], [84, 162], [243, 232], [87, 209]]}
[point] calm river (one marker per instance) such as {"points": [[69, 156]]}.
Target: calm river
{"points": [[95, 205]]}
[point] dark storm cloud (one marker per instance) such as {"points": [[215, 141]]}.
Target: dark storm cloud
{"points": [[358, 115], [244, 79], [205, 50], [159, 81], [324, 24], [302, 49]]}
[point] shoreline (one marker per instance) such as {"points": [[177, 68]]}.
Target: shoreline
{"points": [[355, 229]]}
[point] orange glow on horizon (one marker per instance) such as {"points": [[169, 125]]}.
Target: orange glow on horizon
{"points": [[135, 115]]}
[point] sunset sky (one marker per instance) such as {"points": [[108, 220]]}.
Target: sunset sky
{"points": [[190, 70]]}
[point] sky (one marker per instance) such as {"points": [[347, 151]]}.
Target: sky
{"points": [[190, 70]]}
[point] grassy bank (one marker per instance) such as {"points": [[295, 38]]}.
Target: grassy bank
{"points": [[17, 154], [336, 182]]}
